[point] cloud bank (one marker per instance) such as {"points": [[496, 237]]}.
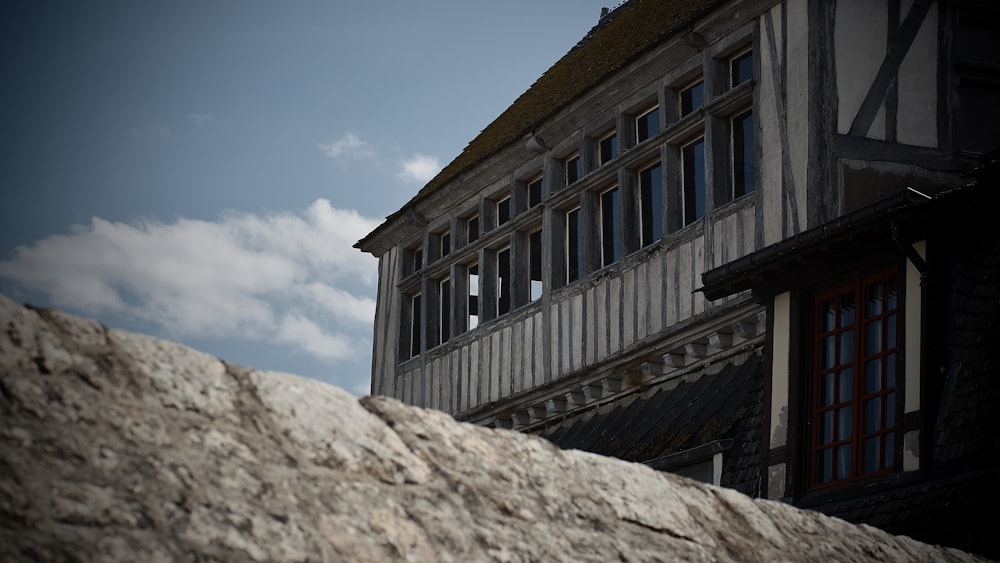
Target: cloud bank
{"points": [[290, 278], [419, 168], [348, 146]]}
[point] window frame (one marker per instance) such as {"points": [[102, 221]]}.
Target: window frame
{"points": [[643, 117], [608, 136], [890, 397]]}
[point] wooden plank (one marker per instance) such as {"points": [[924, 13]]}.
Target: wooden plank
{"points": [[628, 308], [642, 300], [656, 293], [576, 320], [614, 315], [697, 267], [475, 393]]}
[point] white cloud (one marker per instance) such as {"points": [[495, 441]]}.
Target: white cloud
{"points": [[420, 168], [281, 276], [201, 119], [347, 146]]}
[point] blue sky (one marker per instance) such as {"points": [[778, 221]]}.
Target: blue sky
{"points": [[198, 170]]}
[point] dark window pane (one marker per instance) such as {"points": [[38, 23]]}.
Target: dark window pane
{"points": [[845, 391], [891, 294], [873, 338], [873, 415], [874, 299], [846, 347], [415, 324], [444, 298], [873, 375], [872, 451], [574, 256], [843, 461], [743, 151], [828, 316], [826, 390], [608, 148], [824, 465], [692, 98], [535, 264], [472, 228], [610, 227], [651, 202], [473, 296], [535, 192], [503, 211], [741, 69], [647, 125], [694, 182], [847, 309], [845, 422], [445, 244], [824, 427], [890, 337], [826, 353], [573, 169], [503, 281]]}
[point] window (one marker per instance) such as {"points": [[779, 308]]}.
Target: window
{"points": [[535, 265], [535, 192], [854, 381], [740, 69], [650, 204], [607, 148], [444, 310], [413, 260], [503, 208], [610, 227], [441, 243], [743, 154], [573, 169], [692, 97], [472, 228], [473, 306], [503, 282], [411, 344], [693, 165], [647, 124], [574, 246]]}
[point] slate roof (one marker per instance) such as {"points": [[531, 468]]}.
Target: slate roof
{"points": [[620, 38], [662, 421]]}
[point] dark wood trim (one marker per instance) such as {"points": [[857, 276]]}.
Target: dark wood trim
{"points": [[823, 198], [887, 73], [892, 93], [863, 148]]}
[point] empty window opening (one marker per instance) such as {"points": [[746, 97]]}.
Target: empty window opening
{"points": [[651, 204], [692, 97], [535, 265], [574, 246], [693, 164], [610, 227], [647, 124]]}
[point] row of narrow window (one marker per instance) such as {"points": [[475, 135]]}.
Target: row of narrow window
{"points": [[644, 222]]}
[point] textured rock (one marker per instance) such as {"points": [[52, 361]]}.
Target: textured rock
{"points": [[117, 446]]}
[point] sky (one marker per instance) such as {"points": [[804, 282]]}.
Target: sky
{"points": [[199, 170]]}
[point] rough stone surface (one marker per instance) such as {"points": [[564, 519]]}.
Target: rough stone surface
{"points": [[116, 446]]}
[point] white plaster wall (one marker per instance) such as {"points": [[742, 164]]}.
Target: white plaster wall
{"points": [[859, 39], [797, 103], [916, 121], [913, 328], [770, 177], [780, 369]]}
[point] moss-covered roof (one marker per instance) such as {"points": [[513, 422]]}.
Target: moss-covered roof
{"points": [[628, 32]]}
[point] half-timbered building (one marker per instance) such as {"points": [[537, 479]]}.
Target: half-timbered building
{"points": [[747, 241]]}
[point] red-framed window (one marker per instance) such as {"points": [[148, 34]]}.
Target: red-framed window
{"points": [[856, 370]]}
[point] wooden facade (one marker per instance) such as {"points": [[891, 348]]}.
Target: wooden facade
{"points": [[685, 150]]}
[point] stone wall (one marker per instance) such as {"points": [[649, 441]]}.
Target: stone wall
{"points": [[116, 446]]}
